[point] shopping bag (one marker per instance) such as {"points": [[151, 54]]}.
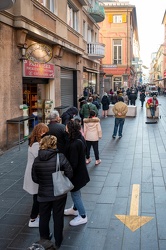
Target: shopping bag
{"points": [[61, 183]]}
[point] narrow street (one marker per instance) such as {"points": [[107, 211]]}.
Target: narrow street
{"points": [[125, 199]]}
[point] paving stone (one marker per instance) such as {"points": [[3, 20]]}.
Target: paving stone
{"points": [[148, 203]]}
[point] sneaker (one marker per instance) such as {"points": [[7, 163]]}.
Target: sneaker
{"points": [[78, 221], [34, 223], [88, 161], [98, 162], [120, 136], [71, 211], [113, 136]]}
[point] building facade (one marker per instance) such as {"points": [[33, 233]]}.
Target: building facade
{"points": [[49, 52], [120, 35]]}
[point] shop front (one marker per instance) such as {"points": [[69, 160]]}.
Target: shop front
{"points": [[89, 81], [36, 89]]}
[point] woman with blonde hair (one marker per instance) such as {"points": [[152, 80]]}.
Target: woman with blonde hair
{"points": [[28, 185], [43, 167]]}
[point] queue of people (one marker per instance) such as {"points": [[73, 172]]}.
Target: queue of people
{"points": [[71, 136]]}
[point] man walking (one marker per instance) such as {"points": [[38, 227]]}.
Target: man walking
{"points": [[120, 110]]}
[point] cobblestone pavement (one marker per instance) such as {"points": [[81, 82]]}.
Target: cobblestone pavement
{"points": [[129, 181]]}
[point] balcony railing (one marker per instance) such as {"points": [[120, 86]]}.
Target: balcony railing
{"points": [[96, 50], [97, 12]]}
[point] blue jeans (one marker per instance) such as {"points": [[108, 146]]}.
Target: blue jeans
{"points": [[119, 122], [152, 110], [78, 204]]}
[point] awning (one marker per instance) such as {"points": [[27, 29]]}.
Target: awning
{"points": [[91, 70]]}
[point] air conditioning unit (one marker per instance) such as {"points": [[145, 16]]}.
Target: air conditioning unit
{"points": [[6, 4]]}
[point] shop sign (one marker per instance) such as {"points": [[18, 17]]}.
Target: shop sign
{"points": [[109, 66], [40, 70]]}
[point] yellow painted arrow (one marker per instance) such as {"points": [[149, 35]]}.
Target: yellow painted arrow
{"points": [[133, 221]]}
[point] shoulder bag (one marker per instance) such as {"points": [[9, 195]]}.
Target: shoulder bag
{"points": [[61, 183]]}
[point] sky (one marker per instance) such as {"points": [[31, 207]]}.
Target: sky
{"points": [[150, 14]]}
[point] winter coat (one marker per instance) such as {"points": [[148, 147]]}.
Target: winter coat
{"points": [[142, 96], [92, 129], [133, 96], [28, 184], [105, 102], [58, 130], [152, 102], [85, 110], [120, 107], [69, 114], [43, 167], [126, 99], [76, 151]]}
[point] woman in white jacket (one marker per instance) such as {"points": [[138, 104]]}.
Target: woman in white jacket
{"points": [[92, 134], [28, 185]]}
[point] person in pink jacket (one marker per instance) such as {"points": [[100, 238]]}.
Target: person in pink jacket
{"points": [[92, 134]]}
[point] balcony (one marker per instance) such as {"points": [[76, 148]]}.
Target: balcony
{"points": [[97, 12], [96, 50]]}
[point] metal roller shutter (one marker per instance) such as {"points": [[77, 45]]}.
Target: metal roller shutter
{"points": [[67, 88]]}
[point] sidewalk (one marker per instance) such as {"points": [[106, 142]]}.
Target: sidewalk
{"points": [[136, 160]]}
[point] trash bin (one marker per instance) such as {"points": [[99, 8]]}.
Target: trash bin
{"points": [[35, 121]]}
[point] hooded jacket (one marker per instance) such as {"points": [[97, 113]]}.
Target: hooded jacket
{"points": [[120, 108], [69, 114], [92, 129], [43, 167]]}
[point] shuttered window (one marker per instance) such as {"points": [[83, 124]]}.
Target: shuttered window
{"points": [[67, 88]]}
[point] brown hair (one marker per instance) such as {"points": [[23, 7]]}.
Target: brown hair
{"points": [[37, 132], [48, 141]]}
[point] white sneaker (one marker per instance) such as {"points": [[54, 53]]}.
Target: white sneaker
{"points": [[34, 223], [78, 221], [71, 211]]}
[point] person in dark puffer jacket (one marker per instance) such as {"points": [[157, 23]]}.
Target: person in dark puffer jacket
{"points": [[68, 115], [43, 167]]}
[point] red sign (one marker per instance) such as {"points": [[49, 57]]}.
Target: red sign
{"points": [[40, 70]]}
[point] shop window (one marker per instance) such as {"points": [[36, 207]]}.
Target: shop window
{"points": [[72, 16]]}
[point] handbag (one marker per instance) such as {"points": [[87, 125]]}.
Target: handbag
{"points": [[61, 183], [147, 105]]}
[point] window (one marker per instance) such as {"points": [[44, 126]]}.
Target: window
{"points": [[84, 31], [49, 4], [117, 51], [117, 19], [72, 16]]}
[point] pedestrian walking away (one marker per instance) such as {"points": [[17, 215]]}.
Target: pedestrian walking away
{"points": [[120, 110], [105, 104], [92, 134], [142, 98], [43, 168], [28, 184], [75, 153]]}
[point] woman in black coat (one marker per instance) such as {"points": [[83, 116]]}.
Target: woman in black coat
{"points": [[43, 167], [75, 153], [105, 104]]}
